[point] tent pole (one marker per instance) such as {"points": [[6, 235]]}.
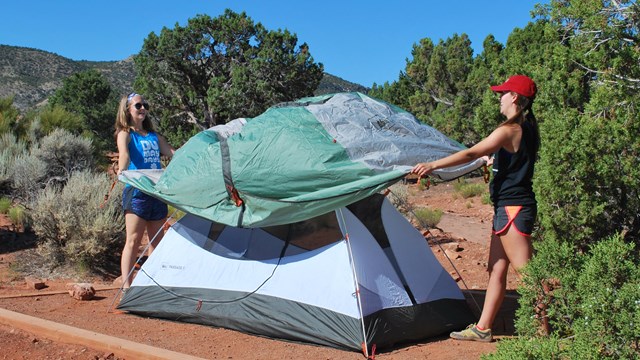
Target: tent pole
{"points": [[356, 284], [151, 240]]}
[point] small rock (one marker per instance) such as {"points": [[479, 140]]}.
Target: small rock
{"points": [[81, 291], [454, 247], [452, 254], [34, 283]]}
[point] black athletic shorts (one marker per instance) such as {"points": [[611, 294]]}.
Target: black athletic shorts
{"points": [[521, 217]]}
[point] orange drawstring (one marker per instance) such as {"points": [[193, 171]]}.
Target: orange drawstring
{"points": [[106, 196]]}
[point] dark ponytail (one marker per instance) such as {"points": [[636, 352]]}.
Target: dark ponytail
{"points": [[531, 119]]}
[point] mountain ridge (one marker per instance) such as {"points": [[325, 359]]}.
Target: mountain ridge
{"points": [[32, 75]]}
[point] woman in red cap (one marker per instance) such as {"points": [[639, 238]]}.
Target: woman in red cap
{"points": [[515, 146]]}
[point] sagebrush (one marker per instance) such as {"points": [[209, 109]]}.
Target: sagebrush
{"points": [[50, 162], [10, 149], [73, 223]]}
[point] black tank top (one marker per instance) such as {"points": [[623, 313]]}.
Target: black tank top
{"points": [[513, 172]]}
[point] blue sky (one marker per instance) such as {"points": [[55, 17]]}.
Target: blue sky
{"points": [[358, 40]]}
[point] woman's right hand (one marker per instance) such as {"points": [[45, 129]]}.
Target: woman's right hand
{"points": [[423, 169]]}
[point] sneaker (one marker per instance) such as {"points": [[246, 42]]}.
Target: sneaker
{"points": [[472, 333]]}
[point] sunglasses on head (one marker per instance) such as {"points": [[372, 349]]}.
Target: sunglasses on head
{"points": [[138, 106]]}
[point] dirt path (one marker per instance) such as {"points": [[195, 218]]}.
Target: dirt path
{"points": [[464, 225]]}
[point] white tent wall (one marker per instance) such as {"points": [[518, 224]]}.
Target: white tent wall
{"points": [[380, 286], [305, 278], [426, 278]]}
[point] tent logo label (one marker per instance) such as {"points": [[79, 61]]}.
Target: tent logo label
{"points": [[168, 266]]}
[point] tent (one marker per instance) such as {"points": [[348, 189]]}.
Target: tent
{"points": [[354, 278], [286, 234]]}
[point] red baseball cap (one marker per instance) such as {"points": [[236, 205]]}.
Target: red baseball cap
{"points": [[520, 84]]}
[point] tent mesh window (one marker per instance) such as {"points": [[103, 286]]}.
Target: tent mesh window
{"points": [[309, 234], [275, 241]]}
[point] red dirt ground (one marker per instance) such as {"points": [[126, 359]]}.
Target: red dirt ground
{"points": [[466, 222]]}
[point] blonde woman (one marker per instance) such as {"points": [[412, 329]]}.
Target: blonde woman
{"points": [[139, 147], [515, 146]]}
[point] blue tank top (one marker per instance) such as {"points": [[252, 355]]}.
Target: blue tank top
{"points": [[144, 151]]}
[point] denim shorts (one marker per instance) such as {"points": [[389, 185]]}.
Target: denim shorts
{"points": [[145, 206], [521, 217]]}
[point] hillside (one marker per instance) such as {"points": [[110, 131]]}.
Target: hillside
{"points": [[32, 75], [333, 84]]}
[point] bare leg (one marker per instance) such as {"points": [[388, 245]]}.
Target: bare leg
{"points": [[154, 228], [509, 248], [135, 229], [497, 267], [518, 248]]}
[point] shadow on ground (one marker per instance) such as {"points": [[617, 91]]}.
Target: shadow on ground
{"points": [[504, 323], [11, 241]]}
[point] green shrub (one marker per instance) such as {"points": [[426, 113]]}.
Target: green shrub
{"points": [[584, 199], [71, 225], [593, 304], [424, 183], [534, 348], [486, 198], [18, 216], [428, 218], [8, 115], [56, 117], [467, 190], [5, 205]]}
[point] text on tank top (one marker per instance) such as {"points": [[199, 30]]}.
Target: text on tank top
{"points": [[144, 151]]}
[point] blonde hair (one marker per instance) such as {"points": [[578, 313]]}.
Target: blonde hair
{"points": [[123, 117]]}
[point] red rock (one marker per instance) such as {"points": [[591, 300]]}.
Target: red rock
{"points": [[81, 291], [34, 283], [452, 254]]}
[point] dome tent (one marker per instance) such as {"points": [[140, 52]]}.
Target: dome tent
{"points": [[287, 236]]}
